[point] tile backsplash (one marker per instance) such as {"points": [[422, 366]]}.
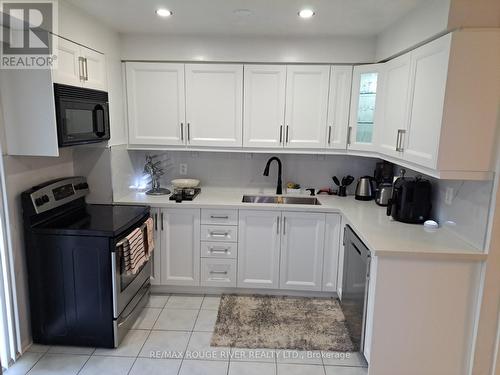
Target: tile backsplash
{"points": [[236, 170], [466, 215]]}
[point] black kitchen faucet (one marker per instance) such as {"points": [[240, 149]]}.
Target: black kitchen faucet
{"points": [[279, 189]]}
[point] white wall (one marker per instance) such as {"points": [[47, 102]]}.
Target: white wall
{"points": [[248, 49], [426, 21]]}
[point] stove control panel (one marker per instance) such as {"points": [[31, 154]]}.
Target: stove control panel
{"points": [[55, 193]]}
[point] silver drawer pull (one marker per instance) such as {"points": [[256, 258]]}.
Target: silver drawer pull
{"points": [[219, 217], [218, 272], [218, 278], [219, 234], [219, 250]]}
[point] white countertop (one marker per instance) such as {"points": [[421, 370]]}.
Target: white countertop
{"points": [[382, 235]]}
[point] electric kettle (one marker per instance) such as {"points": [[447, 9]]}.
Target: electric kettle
{"points": [[365, 190]]}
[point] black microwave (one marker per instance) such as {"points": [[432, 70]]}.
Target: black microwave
{"points": [[82, 115]]}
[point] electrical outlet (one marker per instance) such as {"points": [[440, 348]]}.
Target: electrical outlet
{"points": [[183, 169], [449, 195]]}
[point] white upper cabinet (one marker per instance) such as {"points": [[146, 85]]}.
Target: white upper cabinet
{"points": [[214, 101], [69, 69], [366, 99], [259, 249], [180, 246], [338, 107], [391, 130], [306, 106], [264, 105], [156, 103], [80, 66], [301, 265], [429, 69], [95, 69]]}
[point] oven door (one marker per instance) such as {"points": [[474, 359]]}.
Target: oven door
{"points": [[82, 121], [126, 287]]}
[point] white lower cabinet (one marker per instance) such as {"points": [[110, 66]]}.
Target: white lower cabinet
{"points": [[331, 253], [218, 272], [267, 249], [302, 251], [259, 249], [180, 246]]}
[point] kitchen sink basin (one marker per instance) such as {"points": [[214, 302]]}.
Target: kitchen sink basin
{"points": [[278, 199]]}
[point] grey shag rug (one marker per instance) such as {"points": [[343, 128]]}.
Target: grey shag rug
{"points": [[294, 323]]}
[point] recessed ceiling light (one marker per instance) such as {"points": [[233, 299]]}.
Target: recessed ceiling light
{"points": [[306, 13], [162, 12]]}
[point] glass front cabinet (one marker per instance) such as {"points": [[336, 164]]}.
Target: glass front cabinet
{"points": [[366, 101]]}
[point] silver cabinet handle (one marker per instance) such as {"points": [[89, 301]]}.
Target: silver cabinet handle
{"points": [[329, 135], [161, 218], [182, 131], [219, 234], [349, 130], [218, 272], [278, 225], [156, 221], [286, 134], [81, 68], [284, 225], [86, 69], [399, 140], [188, 131], [213, 249], [226, 217], [281, 134]]}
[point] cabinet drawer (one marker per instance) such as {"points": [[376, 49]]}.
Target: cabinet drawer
{"points": [[218, 272], [227, 217], [219, 233], [219, 250]]}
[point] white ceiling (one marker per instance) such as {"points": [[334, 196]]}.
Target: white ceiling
{"points": [[268, 17]]}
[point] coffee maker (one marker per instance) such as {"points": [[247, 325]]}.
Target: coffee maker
{"points": [[411, 200]]}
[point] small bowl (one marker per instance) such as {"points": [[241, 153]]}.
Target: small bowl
{"points": [[185, 183]]}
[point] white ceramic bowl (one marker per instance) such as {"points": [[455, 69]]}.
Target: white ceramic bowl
{"points": [[185, 183]]}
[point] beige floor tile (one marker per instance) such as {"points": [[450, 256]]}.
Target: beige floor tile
{"points": [[211, 303], [147, 318], [253, 355], [97, 365], [165, 345], [148, 366], [299, 356], [176, 320], [157, 300], [252, 368], [289, 369], [206, 321], [204, 368], [199, 348], [129, 347], [59, 364], [24, 364], [184, 302]]}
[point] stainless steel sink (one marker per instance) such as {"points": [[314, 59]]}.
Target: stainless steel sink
{"points": [[277, 199]]}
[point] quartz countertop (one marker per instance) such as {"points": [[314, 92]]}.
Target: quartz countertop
{"points": [[382, 235]]}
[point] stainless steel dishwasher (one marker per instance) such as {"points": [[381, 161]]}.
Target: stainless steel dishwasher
{"points": [[355, 282]]}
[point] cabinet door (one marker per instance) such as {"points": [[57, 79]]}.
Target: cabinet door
{"points": [[156, 270], [391, 130], [331, 255], [306, 106], [69, 69], [156, 103], [429, 69], [264, 110], [365, 102], [214, 101], [302, 251], [259, 249], [180, 258], [94, 70], [338, 107]]}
